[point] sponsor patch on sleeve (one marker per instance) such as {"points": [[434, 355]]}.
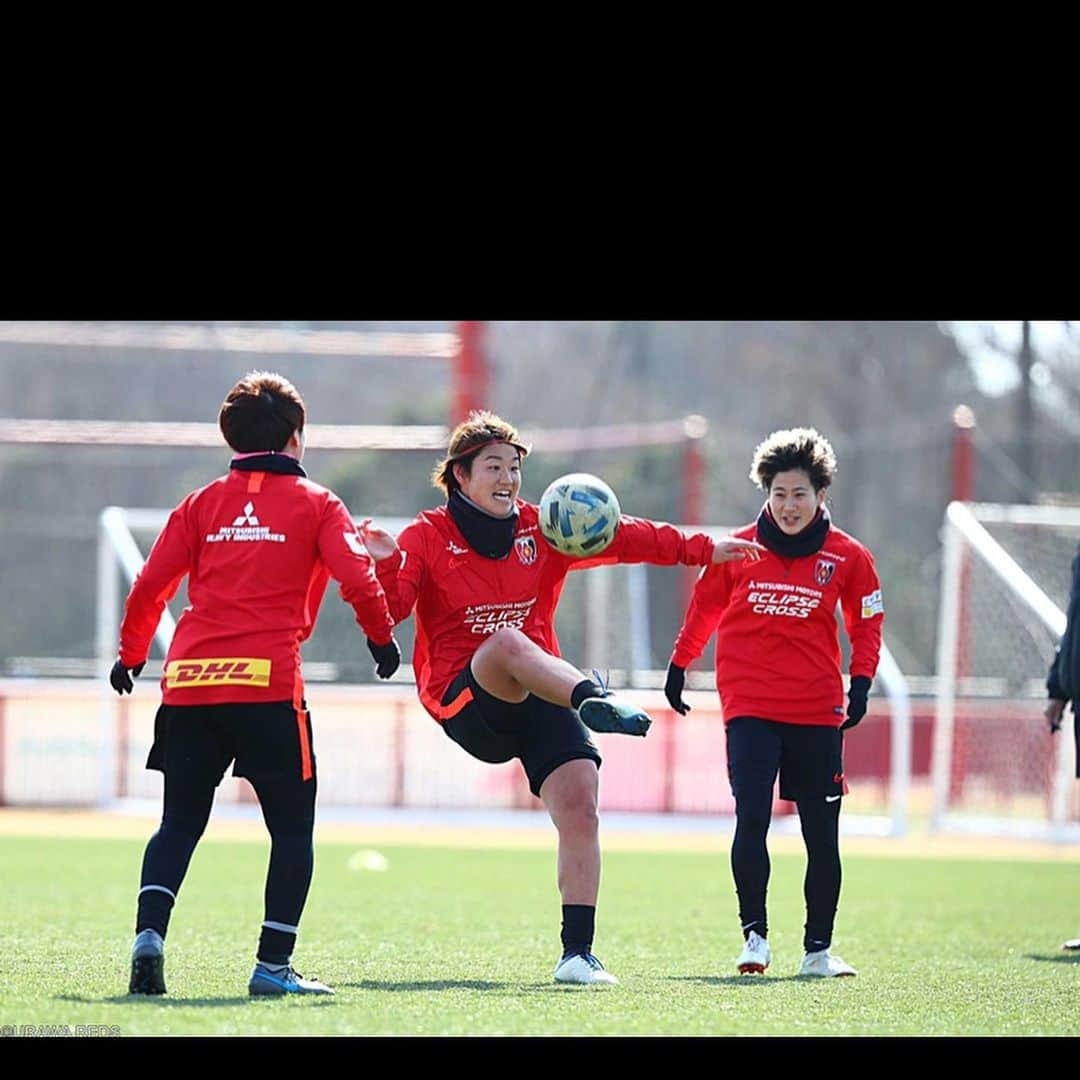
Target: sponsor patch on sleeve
{"points": [[872, 605]]}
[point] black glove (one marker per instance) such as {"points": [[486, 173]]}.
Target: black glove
{"points": [[387, 657], [856, 701], [673, 688], [120, 677], [1056, 722]]}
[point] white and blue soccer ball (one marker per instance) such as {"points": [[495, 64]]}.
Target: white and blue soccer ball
{"points": [[579, 514]]}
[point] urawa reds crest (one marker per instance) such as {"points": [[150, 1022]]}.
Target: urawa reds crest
{"points": [[526, 549], [823, 571]]}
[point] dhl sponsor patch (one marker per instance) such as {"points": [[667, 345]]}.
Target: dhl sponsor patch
{"points": [[218, 671]]}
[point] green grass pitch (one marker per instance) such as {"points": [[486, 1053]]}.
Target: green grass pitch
{"points": [[463, 941]]}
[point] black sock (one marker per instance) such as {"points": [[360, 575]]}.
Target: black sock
{"points": [[155, 907], [578, 926], [275, 946], [760, 928], [584, 689]]}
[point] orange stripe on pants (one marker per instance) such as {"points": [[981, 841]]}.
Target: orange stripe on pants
{"points": [[445, 712], [301, 724], [305, 745]]}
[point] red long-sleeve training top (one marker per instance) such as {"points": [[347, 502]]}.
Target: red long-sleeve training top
{"points": [[777, 641], [461, 597], [259, 548]]}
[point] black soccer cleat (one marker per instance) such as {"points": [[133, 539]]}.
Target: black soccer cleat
{"points": [[147, 964], [618, 717], [603, 714]]}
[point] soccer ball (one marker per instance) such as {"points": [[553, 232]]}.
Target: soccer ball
{"points": [[579, 514]]}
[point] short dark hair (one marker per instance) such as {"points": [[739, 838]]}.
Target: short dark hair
{"points": [[794, 448], [261, 412], [467, 439]]}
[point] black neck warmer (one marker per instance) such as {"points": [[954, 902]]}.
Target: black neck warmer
{"points": [[806, 542], [271, 461], [487, 535]]}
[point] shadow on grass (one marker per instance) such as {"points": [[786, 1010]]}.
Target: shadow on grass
{"points": [[1054, 958], [426, 985], [742, 980], [170, 1002]]}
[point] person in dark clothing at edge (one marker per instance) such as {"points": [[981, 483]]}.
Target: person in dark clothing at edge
{"points": [[781, 689], [1063, 681], [258, 546]]}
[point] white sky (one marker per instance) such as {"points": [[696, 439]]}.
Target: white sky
{"points": [[995, 369]]}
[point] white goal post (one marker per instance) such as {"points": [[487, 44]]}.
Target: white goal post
{"points": [[995, 766]]}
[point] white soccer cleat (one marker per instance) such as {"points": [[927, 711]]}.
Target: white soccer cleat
{"points": [[755, 955], [583, 969], [825, 965]]}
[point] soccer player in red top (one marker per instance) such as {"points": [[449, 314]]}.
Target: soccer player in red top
{"points": [[484, 584], [778, 674], [258, 547]]}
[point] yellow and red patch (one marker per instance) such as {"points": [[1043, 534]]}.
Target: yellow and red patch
{"points": [[218, 671]]}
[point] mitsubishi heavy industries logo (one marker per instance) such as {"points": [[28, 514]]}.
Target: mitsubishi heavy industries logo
{"points": [[245, 526], [247, 517]]}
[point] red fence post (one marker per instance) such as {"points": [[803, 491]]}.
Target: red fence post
{"points": [[470, 372]]}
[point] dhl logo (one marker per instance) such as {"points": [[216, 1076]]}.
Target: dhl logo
{"points": [[218, 671]]}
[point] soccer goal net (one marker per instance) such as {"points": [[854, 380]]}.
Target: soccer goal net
{"points": [[1005, 583]]}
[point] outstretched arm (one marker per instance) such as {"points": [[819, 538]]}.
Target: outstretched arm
{"points": [[639, 540], [399, 567], [345, 556], [734, 548]]}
